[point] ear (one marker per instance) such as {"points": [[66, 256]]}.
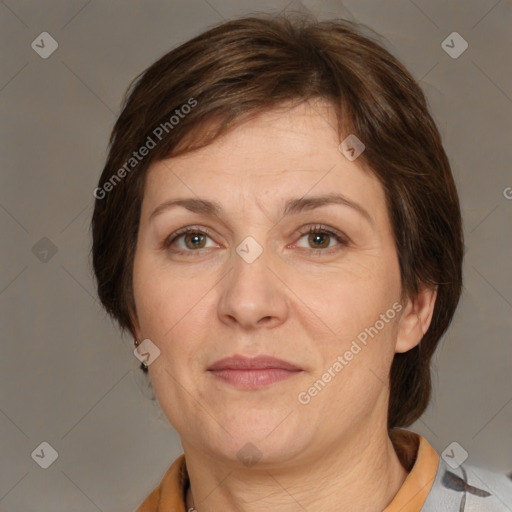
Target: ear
{"points": [[415, 319]]}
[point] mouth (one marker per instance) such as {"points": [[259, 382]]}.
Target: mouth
{"points": [[253, 373]]}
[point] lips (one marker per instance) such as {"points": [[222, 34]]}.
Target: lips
{"points": [[252, 373], [253, 363]]}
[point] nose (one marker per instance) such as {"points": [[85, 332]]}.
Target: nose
{"points": [[253, 295]]}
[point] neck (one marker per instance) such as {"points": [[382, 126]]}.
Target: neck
{"points": [[362, 473]]}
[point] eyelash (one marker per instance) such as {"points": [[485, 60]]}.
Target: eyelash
{"points": [[317, 229]]}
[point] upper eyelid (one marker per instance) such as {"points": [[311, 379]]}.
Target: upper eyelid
{"points": [[303, 231], [207, 231]]}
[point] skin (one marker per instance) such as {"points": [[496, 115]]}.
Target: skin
{"points": [[294, 302]]}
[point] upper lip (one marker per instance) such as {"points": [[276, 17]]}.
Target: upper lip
{"points": [[263, 362]]}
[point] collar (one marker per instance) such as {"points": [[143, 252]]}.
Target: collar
{"points": [[422, 461]]}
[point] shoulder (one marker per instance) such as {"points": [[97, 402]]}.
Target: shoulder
{"points": [[468, 488]]}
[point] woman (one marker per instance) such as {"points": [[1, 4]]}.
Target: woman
{"points": [[278, 228]]}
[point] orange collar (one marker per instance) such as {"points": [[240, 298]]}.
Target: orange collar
{"points": [[416, 487], [170, 494]]}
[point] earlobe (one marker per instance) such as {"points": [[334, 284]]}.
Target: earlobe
{"points": [[415, 319]]}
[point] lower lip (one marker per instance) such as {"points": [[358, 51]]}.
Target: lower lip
{"points": [[253, 379]]}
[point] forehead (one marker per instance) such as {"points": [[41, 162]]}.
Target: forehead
{"points": [[285, 152]]}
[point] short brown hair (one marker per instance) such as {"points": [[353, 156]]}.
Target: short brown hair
{"points": [[244, 67]]}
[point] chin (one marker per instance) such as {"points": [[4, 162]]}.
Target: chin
{"points": [[256, 454], [265, 445]]}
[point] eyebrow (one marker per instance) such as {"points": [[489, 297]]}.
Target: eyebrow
{"points": [[291, 207]]}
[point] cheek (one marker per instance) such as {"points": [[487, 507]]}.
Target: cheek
{"points": [[359, 308], [348, 298], [158, 297], [174, 313]]}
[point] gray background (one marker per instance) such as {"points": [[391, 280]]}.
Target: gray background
{"points": [[68, 377]]}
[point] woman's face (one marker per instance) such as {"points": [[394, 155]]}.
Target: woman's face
{"points": [[250, 281]]}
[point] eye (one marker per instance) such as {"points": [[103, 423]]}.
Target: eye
{"points": [[193, 239], [319, 238]]}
